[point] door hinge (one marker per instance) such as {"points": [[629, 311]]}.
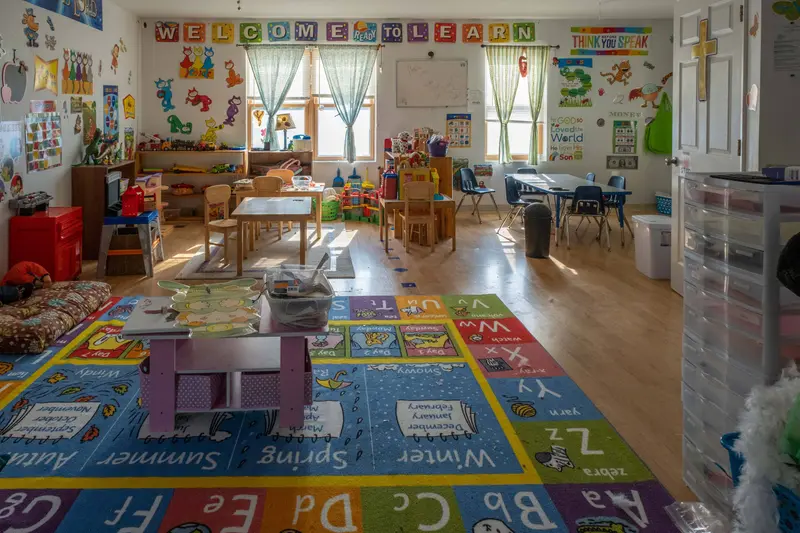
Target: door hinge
{"points": [[739, 147], [741, 13]]}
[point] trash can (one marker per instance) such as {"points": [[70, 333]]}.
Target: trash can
{"points": [[538, 219], [653, 236]]}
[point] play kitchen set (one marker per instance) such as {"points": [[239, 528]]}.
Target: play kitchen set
{"points": [[231, 346]]}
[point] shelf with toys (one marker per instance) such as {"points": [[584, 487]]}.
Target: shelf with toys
{"points": [[359, 199], [177, 161], [423, 150]]}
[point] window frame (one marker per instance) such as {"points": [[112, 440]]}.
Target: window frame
{"points": [[372, 109]]}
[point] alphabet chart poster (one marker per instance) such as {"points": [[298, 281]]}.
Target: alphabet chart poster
{"points": [[459, 129], [428, 413]]}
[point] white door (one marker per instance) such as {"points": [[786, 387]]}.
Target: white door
{"points": [[709, 41]]}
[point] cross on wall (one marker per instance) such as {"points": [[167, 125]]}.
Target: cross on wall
{"points": [[702, 51]]}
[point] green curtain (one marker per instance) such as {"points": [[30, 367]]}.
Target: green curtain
{"points": [[538, 59], [504, 75], [348, 69], [274, 67]]}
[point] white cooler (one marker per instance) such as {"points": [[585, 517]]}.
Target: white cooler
{"points": [[653, 236]]}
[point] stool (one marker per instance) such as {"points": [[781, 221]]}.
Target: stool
{"points": [[144, 223]]}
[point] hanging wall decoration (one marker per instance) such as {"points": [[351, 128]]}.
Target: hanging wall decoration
{"points": [[177, 126], [576, 84], [305, 30], [210, 136], [50, 42], [417, 32], [472, 33], [524, 32], [194, 32], [75, 104], [76, 75], [89, 12], [110, 113], [89, 115], [522, 64], [78, 125], [15, 81], [459, 129], [649, 92], [649, 66], [259, 115], [444, 32], [50, 23], [278, 31], [622, 162], [337, 31], [392, 32], [624, 138], [611, 41], [620, 73], [754, 28], [10, 153], [129, 106], [197, 63], [45, 75], [233, 109], [122, 47], [789, 9], [130, 139], [167, 32], [566, 138], [233, 78], [115, 58], [702, 51], [42, 141], [365, 32], [31, 29], [197, 99], [164, 93], [250, 32], [499, 33], [222, 33], [42, 106]]}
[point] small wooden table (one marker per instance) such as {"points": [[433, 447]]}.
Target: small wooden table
{"points": [[312, 192], [446, 205], [276, 209]]}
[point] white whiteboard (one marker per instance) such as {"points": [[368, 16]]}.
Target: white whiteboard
{"points": [[432, 83]]}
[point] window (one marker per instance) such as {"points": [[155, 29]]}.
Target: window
{"points": [[314, 113], [519, 127]]}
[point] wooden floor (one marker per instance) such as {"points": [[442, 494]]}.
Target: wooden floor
{"points": [[615, 332]]}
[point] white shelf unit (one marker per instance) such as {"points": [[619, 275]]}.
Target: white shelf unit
{"points": [[741, 327]]}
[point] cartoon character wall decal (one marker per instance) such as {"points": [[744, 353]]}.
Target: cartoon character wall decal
{"points": [[208, 63], [197, 62], [164, 93], [789, 9], [649, 92], [754, 28], [176, 126], [210, 136], [31, 28], [621, 72], [186, 64], [233, 78], [259, 114], [50, 42], [115, 58], [233, 109], [197, 99], [50, 23]]}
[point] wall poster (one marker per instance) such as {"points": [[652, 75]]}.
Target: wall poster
{"points": [[624, 137], [459, 129], [43, 141], [566, 138], [10, 159]]}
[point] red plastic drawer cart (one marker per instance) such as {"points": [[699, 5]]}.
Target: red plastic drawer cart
{"points": [[52, 238]]}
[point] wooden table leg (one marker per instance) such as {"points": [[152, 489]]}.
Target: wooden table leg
{"points": [[292, 380], [303, 241], [385, 230], [239, 246], [319, 216], [380, 221], [162, 385], [452, 221]]}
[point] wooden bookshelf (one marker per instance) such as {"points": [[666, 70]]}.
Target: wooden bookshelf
{"points": [[273, 159]]}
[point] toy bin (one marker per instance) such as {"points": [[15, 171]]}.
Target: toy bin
{"points": [[193, 392], [664, 203], [262, 390], [294, 301]]}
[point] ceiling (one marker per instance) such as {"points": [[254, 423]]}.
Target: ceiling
{"points": [[387, 9]]}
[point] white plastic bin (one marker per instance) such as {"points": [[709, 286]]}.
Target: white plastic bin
{"points": [[653, 234]]}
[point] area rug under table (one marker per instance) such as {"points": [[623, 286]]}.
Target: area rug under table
{"points": [[271, 252], [430, 413]]}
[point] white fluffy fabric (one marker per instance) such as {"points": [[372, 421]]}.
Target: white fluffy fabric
{"points": [[761, 427]]}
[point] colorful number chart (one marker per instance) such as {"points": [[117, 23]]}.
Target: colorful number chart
{"points": [[459, 129]]}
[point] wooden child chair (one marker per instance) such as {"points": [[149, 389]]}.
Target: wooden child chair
{"points": [[219, 194], [417, 193], [268, 186], [283, 173]]}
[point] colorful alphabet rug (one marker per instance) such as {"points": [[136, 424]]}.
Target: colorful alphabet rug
{"points": [[430, 413]]}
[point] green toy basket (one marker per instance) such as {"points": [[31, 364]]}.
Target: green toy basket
{"points": [[330, 210]]}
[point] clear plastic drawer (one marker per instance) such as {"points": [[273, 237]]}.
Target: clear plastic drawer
{"points": [[714, 277], [739, 228], [733, 254], [723, 310]]}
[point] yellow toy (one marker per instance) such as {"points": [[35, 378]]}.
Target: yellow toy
{"points": [[210, 136]]}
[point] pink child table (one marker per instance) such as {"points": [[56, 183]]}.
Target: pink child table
{"points": [[274, 348]]}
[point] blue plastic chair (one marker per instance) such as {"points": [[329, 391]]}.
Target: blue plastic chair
{"points": [[469, 186], [515, 201], [526, 190], [616, 201], [588, 202]]}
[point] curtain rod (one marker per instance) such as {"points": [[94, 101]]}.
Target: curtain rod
{"points": [[379, 46], [556, 46]]}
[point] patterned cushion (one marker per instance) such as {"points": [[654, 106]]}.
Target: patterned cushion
{"points": [[31, 325]]}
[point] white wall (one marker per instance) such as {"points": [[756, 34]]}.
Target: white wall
{"points": [[161, 60], [118, 23]]}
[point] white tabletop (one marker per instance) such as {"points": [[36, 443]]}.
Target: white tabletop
{"points": [[561, 184], [273, 206]]}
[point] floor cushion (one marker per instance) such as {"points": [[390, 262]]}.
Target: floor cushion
{"points": [[31, 325]]}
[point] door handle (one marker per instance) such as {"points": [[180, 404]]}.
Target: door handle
{"points": [[671, 161]]}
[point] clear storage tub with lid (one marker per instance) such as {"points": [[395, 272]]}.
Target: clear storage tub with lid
{"points": [[299, 296]]}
